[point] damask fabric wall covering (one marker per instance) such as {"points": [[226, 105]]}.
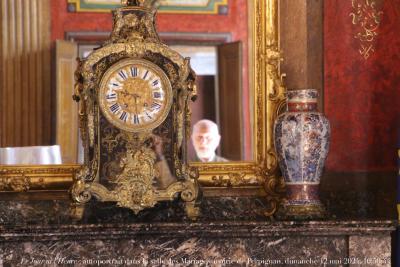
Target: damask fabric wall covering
{"points": [[362, 83]]}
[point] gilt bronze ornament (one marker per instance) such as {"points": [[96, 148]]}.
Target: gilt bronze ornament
{"points": [[134, 95]]}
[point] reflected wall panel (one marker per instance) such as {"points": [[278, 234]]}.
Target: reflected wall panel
{"points": [[25, 103]]}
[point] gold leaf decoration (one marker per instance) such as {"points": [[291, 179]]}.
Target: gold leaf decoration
{"points": [[367, 17]]}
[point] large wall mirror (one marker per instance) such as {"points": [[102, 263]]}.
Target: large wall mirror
{"points": [[238, 88]]}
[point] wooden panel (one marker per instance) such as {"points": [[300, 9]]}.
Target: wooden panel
{"points": [[32, 73], [301, 38], [67, 109], [204, 106], [25, 73], [45, 50], [39, 73], [229, 100], [9, 28], [3, 95], [25, 104]]}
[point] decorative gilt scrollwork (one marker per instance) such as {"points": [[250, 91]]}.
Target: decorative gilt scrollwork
{"points": [[79, 191], [134, 186], [26, 178], [140, 3], [16, 183], [367, 16]]}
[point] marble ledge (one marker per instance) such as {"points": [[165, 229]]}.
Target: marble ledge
{"points": [[196, 229]]}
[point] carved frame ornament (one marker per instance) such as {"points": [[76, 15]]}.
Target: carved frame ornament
{"points": [[260, 175]]}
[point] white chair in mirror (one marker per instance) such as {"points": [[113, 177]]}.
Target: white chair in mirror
{"points": [[30, 155]]}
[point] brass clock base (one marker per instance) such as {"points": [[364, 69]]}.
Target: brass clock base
{"points": [[192, 211], [76, 211], [137, 201]]}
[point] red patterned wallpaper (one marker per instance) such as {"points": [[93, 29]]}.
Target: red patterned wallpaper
{"points": [[235, 22], [362, 91]]}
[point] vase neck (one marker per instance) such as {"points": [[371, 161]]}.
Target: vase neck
{"points": [[302, 101], [302, 107]]}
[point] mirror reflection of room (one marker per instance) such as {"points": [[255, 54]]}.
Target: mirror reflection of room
{"points": [[39, 116], [218, 109]]}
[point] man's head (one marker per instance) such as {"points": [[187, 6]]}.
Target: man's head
{"points": [[205, 139]]}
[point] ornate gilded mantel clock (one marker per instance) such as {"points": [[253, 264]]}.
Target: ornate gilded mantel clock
{"points": [[134, 95]]}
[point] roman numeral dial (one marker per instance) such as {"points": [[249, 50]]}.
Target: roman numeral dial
{"points": [[135, 95]]}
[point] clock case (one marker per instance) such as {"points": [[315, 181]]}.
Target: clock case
{"points": [[120, 166]]}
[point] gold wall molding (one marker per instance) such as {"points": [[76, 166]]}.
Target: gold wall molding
{"points": [[366, 16], [26, 178]]}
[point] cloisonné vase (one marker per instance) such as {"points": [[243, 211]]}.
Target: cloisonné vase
{"points": [[302, 142]]}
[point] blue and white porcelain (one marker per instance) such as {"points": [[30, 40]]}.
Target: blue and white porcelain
{"points": [[302, 142]]}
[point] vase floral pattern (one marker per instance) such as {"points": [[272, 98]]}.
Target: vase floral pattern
{"points": [[302, 142]]}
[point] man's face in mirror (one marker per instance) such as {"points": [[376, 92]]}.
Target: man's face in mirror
{"points": [[205, 139]]}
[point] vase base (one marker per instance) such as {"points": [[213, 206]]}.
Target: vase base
{"points": [[315, 211]]}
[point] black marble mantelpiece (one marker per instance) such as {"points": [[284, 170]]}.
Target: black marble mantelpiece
{"points": [[253, 243], [205, 229]]}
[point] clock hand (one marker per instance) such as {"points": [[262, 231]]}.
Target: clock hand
{"points": [[125, 101], [124, 92], [136, 103]]}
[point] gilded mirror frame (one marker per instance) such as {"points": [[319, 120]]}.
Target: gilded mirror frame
{"points": [[258, 177]]}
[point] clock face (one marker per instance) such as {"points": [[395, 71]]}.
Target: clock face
{"points": [[135, 95]]}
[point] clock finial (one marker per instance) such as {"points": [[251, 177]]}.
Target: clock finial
{"points": [[130, 2], [141, 3]]}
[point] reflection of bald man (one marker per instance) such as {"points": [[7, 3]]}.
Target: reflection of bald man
{"points": [[205, 139]]}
